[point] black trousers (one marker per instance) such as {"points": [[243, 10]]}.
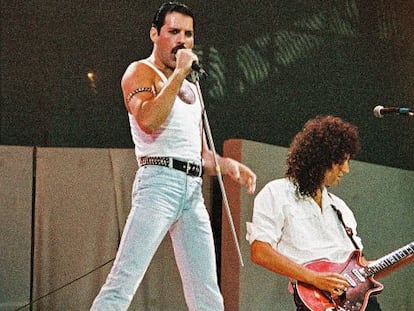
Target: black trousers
{"points": [[372, 305]]}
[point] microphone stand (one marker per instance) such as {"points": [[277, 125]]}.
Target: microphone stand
{"points": [[195, 77]]}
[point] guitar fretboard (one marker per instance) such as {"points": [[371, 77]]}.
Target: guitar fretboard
{"points": [[390, 259]]}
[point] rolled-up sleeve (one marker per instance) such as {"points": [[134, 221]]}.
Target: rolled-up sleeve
{"points": [[267, 221]]}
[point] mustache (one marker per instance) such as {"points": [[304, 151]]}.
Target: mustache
{"points": [[178, 47]]}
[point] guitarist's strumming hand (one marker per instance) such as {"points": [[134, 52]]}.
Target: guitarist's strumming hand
{"points": [[263, 254], [333, 283], [317, 290]]}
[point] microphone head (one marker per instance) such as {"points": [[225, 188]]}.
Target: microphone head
{"points": [[197, 67], [377, 111]]}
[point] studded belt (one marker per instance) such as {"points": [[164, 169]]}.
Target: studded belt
{"points": [[188, 167]]}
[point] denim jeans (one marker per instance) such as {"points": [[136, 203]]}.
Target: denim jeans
{"points": [[165, 200]]}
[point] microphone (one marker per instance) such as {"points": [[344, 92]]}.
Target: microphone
{"points": [[197, 67], [380, 111]]}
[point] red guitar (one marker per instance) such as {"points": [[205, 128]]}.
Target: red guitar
{"points": [[360, 278]]}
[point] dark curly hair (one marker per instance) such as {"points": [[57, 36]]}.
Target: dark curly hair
{"points": [[323, 141]]}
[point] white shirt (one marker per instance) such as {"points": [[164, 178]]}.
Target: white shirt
{"points": [[298, 228]]}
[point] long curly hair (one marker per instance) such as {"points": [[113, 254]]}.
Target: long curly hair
{"points": [[323, 142]]}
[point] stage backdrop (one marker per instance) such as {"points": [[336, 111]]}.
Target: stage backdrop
{"points": [[60, 233], [16, 177]]}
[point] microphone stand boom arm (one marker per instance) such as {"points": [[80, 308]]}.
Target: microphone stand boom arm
{"points": [[218, 170]]}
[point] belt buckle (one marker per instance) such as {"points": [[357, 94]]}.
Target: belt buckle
{"points": [[188, 168]]}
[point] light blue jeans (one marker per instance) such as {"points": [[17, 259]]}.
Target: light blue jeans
{"points": [[163, 200]]}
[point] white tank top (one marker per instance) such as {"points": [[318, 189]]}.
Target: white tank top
{"points": [[179, 136]]}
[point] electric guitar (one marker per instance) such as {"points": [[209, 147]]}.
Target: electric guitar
{"points": [[360, 278]]}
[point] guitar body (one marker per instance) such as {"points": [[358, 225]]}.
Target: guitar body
{"points": [[355, 298]]}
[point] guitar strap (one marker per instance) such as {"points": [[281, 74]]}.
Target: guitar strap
{"points": [[348, 230]]}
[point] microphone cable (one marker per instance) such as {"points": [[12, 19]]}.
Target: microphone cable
{"points": [[65, 285]]}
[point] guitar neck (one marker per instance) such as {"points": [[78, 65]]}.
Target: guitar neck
{"points": [[390, 259]]}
